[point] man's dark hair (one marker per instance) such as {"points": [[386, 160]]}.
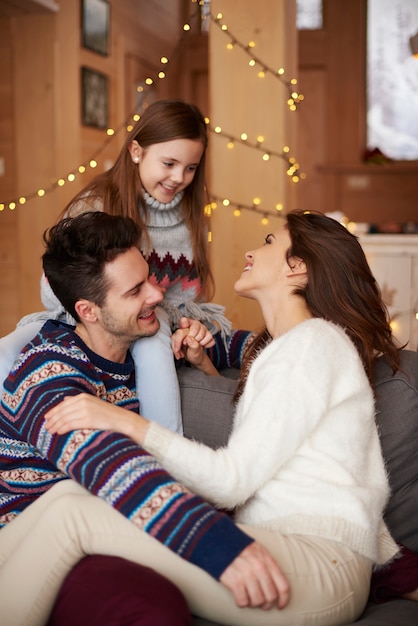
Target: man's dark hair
{"points": [[77, 249]]}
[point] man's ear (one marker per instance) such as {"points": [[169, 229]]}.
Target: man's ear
{"points": [[86, 311], [135, 151]]}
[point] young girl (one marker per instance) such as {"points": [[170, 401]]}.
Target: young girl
{"points": [[157, 180], [303, 470]]}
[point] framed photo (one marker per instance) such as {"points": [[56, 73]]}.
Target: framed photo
{"points": [[94, 98], [95, 18]]}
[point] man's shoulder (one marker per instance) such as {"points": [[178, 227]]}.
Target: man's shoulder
{"points": [[56, 340]]}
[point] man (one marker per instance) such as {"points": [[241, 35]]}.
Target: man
{"points": [[48, 482]]}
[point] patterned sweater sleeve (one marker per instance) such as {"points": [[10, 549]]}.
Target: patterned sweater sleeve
{"points": [[110, 465], [229, 351]]}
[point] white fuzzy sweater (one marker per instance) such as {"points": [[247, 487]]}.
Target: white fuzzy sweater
{"points": [[304, 456]]}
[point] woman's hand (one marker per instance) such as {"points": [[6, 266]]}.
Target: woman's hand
{"points": [[255, 579], [190, 341], [87, 411]]}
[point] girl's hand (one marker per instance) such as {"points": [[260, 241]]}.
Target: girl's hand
{"points": [[87, 411], [184, 345], [192, 329]]}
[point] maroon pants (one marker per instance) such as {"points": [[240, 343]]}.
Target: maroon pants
{"points": [[111, 591]]}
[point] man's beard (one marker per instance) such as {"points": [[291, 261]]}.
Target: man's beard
{"points": [[124, 332]]}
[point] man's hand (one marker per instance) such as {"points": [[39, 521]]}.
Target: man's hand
{"points": [[256, 580]]}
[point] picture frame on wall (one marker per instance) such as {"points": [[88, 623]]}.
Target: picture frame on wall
{"points": [[95, 21], [94, 97]]}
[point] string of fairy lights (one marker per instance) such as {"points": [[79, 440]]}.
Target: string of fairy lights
{"points": [[295, 98], [293, 170]]}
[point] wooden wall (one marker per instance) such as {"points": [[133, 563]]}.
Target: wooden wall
{"points": [[41, 134], [42, 138]]}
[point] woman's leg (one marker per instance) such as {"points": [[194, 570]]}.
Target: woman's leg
{"points": [[111, 591], [12, 344], [156, 377], [329, 584]]}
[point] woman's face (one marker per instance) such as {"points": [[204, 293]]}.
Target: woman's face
{"points": [[168, 167], [266, 268]]}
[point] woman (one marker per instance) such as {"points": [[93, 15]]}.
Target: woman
{"points": [[303, 470]]}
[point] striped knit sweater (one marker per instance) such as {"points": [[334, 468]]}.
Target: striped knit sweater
{"points": [[55, 364]]}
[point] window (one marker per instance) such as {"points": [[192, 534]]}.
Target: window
{"points": [[309, 14], [392, 78]]}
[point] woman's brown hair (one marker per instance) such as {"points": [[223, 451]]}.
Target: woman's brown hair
{"points": [[340, 288], [119, 191]]}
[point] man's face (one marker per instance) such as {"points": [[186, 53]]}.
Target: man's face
{"points": [[129, 309]]}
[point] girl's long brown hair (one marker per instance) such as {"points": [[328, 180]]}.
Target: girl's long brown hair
{"points": [[340, 288], [119, 189]]}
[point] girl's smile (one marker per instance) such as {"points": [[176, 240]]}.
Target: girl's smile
{"points": [[168, 167]]}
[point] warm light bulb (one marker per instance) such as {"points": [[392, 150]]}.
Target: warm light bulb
{"points": [[226, 202], [22, 200], [110, 132], [93, 163], [244, 136], [256, 201], [237, 212], [41, 192], [61, 182]]}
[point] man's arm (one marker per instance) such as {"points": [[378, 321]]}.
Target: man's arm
{"points": [[113, 467]]}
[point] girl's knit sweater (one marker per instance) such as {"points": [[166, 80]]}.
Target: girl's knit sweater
{"points": [[55, 364], [171, 267], [171, 263], [304, 456]]}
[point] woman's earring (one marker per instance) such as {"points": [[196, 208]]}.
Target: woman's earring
{"points": [[136, 159]]}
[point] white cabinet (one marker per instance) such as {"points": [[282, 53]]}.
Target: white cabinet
{"points": [[393, 260]]}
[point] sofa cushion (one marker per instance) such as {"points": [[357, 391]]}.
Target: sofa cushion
{"points": [[206, 404], [397, 420]]}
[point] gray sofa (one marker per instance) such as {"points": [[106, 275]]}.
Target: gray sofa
{"points": [[207, 416]]}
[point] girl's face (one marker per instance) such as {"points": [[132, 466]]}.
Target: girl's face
{"points": [[168, 167]]}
